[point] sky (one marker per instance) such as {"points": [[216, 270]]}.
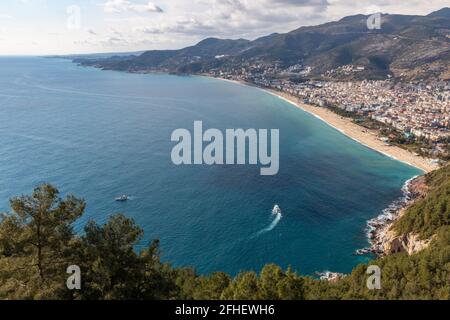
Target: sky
{"points": [[41, 27]]}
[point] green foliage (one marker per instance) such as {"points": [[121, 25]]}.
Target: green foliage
{"points": [[243, 287], [424, 275], [34, 243], [111, 267], [427, 215], [211, 287], [272, 284], [37, 244], [291, 287]]}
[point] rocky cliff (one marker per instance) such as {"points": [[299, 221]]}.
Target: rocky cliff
{"points": [[390, 239], [410, 243]]}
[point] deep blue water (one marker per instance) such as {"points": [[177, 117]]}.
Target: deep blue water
{"points": [[99, 134]]}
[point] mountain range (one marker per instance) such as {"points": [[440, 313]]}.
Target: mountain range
{"points": [[405, 47]]}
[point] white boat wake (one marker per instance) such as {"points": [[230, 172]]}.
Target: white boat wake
{"points": [[277, 213]]}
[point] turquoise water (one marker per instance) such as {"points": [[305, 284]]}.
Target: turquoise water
{"points": [[99, 134]]}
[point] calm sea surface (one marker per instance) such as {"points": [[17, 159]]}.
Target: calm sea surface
{"points": [[99, 134]]}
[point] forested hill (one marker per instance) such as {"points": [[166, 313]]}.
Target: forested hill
{"points": [[427, 216], [406, 47]]}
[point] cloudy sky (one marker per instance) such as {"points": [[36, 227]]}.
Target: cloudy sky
{"points": [[86, 26]]}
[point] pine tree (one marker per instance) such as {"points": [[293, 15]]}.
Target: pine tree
{"points": [[35, 242]]}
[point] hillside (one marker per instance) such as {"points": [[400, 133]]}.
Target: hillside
{"points": [[426, 216], [406, 47]]}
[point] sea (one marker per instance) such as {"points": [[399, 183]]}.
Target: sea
{"points": [[100, 134]]}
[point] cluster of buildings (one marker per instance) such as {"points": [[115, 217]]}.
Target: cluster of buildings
{"points": [[344, 70], [419, 110], [422, 110]]}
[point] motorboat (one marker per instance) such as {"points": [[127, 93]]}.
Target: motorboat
{"points": [[122, 198], [276, 210]]}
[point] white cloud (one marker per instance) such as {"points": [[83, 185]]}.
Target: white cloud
{"points": [[128, 25], [233, 18], [119, 6], [186, 22], [5, 16]]}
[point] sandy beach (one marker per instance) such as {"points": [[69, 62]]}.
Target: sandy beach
{"points": [[362, 135], [369, 138]]}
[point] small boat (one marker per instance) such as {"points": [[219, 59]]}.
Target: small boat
{"points": [[122, 198], [276, 210]]}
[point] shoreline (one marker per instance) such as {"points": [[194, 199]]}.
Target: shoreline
{"points": [[377, 228], [366, 137], [363, 136]]}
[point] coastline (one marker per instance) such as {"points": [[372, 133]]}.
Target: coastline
{"points": [[379, 228], [366, 137]]}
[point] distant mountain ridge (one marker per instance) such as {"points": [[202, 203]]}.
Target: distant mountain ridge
{"points": [[407, 47]]}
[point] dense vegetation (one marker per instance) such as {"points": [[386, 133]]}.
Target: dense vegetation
{"points": [[425, 217], [38, 243]]}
